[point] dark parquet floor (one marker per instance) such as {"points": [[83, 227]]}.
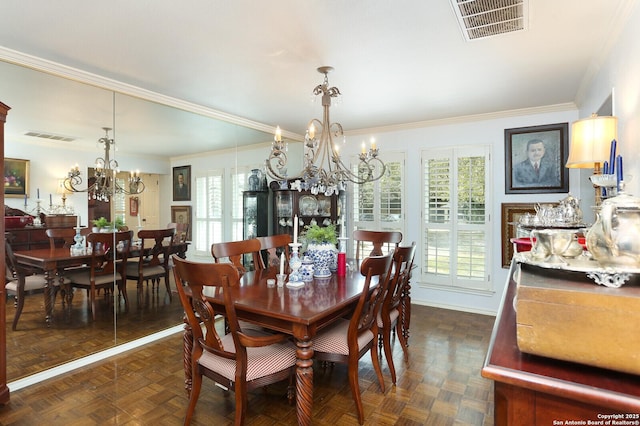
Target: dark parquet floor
{"points": [[440, 385]]}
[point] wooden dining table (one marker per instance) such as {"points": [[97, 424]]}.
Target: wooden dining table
{"points": [[52, 261], [299, 312]]}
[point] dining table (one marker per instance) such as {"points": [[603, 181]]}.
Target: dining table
{"points": [[53, 261], [299, 312]]}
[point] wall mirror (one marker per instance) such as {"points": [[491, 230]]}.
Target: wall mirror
{"points": [[60, 107]]}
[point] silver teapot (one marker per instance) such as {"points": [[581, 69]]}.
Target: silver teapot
{"points": [[614, 240]]}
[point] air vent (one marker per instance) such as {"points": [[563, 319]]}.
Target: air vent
{"points": [[51, 136], [487, 18]]}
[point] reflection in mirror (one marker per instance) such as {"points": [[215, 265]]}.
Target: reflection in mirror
{"points": [[148, 135]]}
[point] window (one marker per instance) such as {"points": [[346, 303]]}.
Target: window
{"points": [[379, 205], [214, 223], [455, 220], [208, 213]]}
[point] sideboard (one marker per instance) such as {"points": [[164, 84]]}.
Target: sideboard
{"points": [[535, 390]]}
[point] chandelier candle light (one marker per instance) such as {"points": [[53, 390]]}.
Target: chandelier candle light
{"points": [[105, 185], [323, 169]]}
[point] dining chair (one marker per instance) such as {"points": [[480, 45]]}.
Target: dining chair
{"points": [[390, 312], [64, 237], [348, 340], [376, 243], [241, 360], [109, 251], [21, 280], [152, 263], [233, 251], [271, 247]]}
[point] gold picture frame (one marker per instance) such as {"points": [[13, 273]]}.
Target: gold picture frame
{"points": [[182, 215], [16, 178]]}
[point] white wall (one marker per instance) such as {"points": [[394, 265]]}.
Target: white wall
{"points": [[621, 73], [48, 165], [413, 142]]}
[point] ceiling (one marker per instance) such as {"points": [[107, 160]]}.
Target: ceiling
{"points": [[255, 62]]}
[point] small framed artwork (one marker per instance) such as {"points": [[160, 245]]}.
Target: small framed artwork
{"points": [[511, 213], [181, 216], [16, 178], [535, 159], [133, 206], [182, 183]]}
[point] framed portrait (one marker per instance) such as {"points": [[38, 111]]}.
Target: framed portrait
{"points": [[535, 159], [182, 183], [181, 215], [16, 178], [510, 216]]}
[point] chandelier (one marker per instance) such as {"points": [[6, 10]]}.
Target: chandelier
{"points": [[323, 169], [105, 184]]}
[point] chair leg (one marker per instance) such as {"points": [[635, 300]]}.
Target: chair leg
{"points": [[19, 303], [376, 366], [386, 337], [196, 385], [168, 285], [92, 302], [355, 388], [403, 340], [241, 401]]}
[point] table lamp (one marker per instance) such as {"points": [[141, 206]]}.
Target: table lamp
{"points": [[591, 143]]}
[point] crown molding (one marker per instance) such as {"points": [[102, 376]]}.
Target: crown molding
{"points": [[59, 70], [569, 106]]}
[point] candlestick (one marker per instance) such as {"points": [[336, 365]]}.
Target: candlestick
{"points": [[619, 167], [282, 264], [38, 193], [50, 200], [295, 229], [78, 221], [605, 168], [612, 157]]}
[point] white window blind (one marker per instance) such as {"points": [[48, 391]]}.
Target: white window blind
{"points": [[209, 211], [455, 220], [379, 205]]}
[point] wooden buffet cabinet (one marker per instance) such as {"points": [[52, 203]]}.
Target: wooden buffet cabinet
{"points": [[534, 390]]}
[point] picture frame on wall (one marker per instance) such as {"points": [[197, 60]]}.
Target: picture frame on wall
{"points": [[182, 183], [16, 178], [181, 216], [535, 159]]}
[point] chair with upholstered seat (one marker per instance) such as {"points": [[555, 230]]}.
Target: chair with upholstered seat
{"points": [[375, 243], [21, 280], [152, 263], [348, 340], [107, 266], [271, 248], [390, 312], [233, 251], [241, 360]]}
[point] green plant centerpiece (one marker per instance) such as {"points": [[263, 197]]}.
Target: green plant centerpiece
{"points": [[118, 224], [321, 247], [101, 224]]}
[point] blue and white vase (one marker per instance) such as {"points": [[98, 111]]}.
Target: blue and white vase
{"points": [[324, 256], [306, 270]]}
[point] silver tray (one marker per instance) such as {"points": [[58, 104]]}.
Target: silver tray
{"points": [[606, 276]]}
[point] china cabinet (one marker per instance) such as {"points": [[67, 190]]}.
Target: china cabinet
{"points": [[255, 217], [309, 208]]}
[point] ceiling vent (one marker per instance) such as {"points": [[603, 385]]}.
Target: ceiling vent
{"points": [[51, 136], [487, 18]]}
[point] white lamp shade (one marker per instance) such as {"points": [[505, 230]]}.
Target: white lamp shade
{"points": [[591, 141]]}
